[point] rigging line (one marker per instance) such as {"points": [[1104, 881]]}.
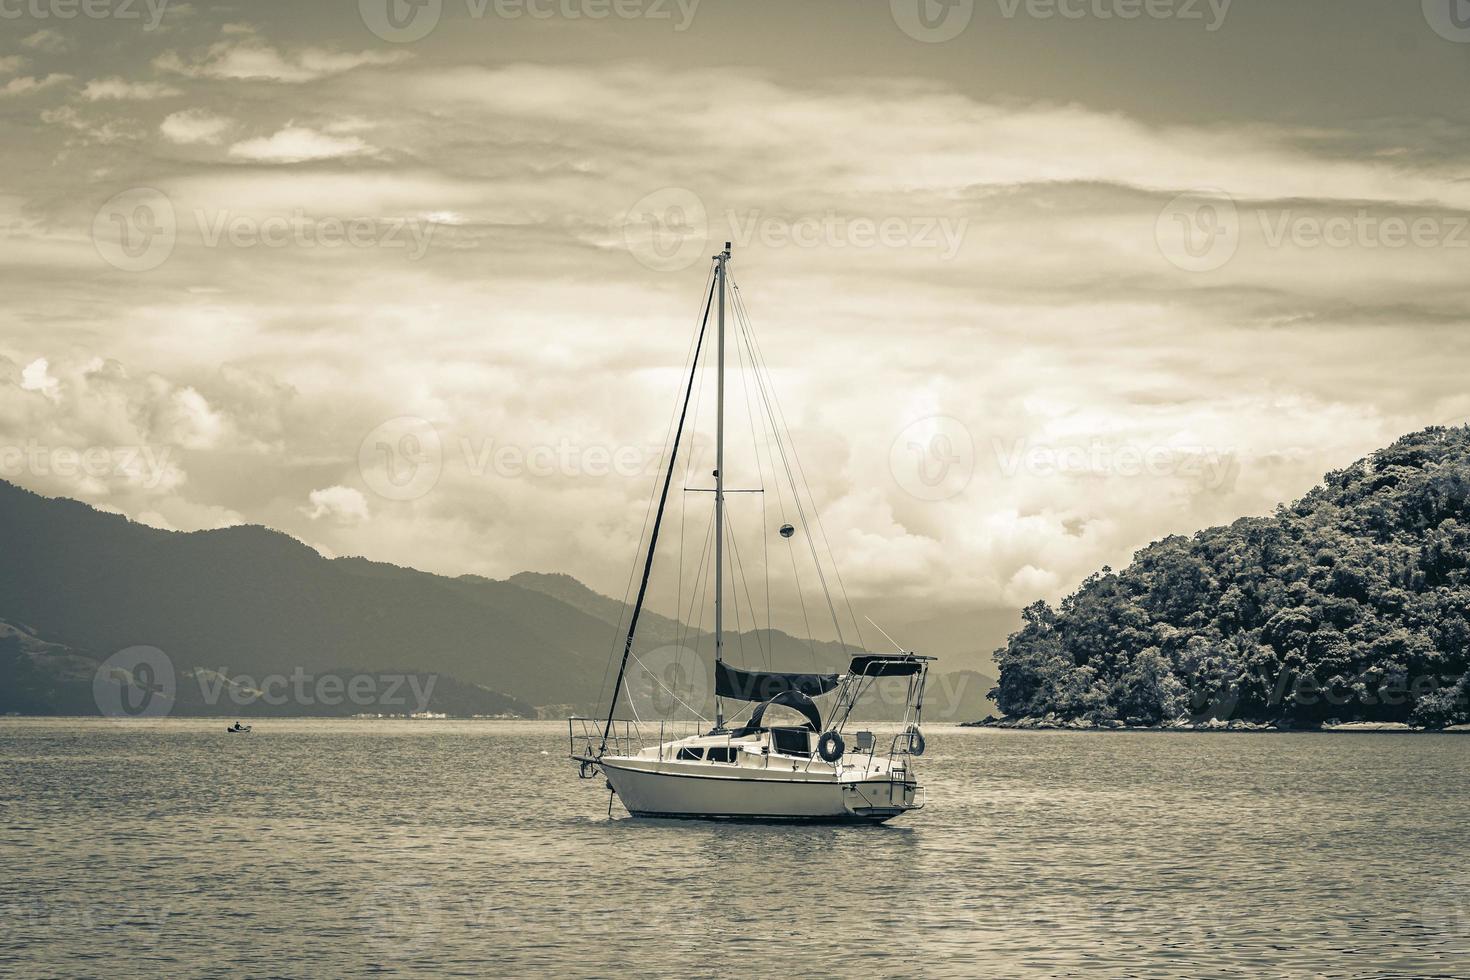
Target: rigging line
{"points": [[691, 351], [672, 693], [653, 534], [781, 505], [683, 501], [836, 571], [755, 445], [740, 566], [703, 594], [777, 414], [800, 507], [760, 468], [739, 636], [686, 619], [885, 634]]}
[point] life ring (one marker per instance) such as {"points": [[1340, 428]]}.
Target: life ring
{"points": [[916, 742], [830, 747]]}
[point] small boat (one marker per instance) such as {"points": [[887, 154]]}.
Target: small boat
{"points": [[816, 769], [238, 729]]}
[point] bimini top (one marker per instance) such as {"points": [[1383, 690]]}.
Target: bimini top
{"points": [[795, 700], [887, 665]]}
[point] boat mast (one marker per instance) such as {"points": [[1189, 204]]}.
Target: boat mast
{"points": [[720, 261]]}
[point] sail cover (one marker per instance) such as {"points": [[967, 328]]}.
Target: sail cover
{"points": [[755, 685], [880, 666]]}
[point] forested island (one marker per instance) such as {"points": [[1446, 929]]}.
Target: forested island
{"points": [[1350, 605]]}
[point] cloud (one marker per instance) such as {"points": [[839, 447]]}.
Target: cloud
{"points": [[1108, 397], [251, 59], [36, 377], [119, 89], [191, 126], [26, 84], [342, 505], [296, 144], [45, 40], [11, 63], [94, 431], [111, 131]]}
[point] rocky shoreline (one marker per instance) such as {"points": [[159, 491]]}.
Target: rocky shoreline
{"points": [[1054, 723]]}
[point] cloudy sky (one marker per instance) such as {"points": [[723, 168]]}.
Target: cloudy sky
{"points": [[1038, 281]]}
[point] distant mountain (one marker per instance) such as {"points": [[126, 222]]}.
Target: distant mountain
{"points": [[757, 646], [256, 602], [653, 627], [1353, 603], [38, 677], [240, 605]]}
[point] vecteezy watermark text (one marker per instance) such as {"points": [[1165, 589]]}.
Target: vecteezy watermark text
{"points": [[1201, 231], [406, 21], [138, 229], [66, 10], [403, 458], [141, 682], [935, 21], [1211, 467], [306, 690], [670, 229], [147, 465]]}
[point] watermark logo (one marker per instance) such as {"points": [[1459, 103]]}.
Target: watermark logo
{"points": [[1198, 231], [400, 21], [671, 682], [1450, 19], [933, 458], [932, 21], [138, 682], [1445, 910], [401, 459], [667, 230], [403, 920], [135, 230]]}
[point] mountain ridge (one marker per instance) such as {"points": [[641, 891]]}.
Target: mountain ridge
{"points": [[254, 601]]}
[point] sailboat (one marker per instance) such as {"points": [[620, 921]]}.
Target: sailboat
{"points": [[817, 766]]}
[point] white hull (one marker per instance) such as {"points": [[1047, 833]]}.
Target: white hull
{"points": [[653, 788]]}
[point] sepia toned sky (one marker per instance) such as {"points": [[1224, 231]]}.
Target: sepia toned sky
{"points": [[1038, 282]]}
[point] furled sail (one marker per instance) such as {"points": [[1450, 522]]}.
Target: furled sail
{"points": [[757, 685]]}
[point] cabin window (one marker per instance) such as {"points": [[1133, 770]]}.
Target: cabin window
{"points": [[691, 755], [792, 741], [721, 754]]}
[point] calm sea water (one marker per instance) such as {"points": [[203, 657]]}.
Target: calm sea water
{"points": [[318, 848]]}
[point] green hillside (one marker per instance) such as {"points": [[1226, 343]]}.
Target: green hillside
{"points": [[1353, 603]]}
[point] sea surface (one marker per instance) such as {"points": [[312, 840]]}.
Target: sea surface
{"points": [[420, 848]]}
